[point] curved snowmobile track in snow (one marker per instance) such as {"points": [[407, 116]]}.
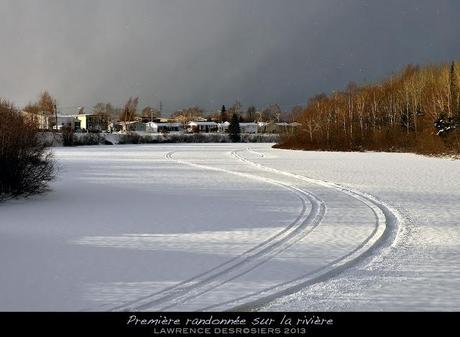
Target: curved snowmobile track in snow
{"points": [[382, 235], [385, 232], [304, 224]]}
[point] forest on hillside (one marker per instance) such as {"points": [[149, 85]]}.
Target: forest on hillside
{"points": [[416, 110]]}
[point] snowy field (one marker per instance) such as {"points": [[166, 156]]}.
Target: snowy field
{"points": [[235, 226]]}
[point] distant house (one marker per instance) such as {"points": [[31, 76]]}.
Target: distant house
{"points": [[92, 123], [71, 122], [262, 127], [115, 127], [151, 127], [248, 127], [281, 127], [200, 119], [286, 127], [163, 120], [42, 119], [134, 126], [223, 127], [158, 127], [206, 127], [131, 126], [245, 127]]}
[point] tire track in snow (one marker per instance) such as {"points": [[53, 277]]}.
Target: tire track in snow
{"points": [[304, 224], [261, 155], [384, 234]]}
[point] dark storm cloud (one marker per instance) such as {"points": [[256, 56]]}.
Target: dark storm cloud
{"points": [[211, 52]]}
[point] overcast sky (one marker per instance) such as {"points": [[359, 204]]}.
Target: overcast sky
{"points": [[211, 52]]}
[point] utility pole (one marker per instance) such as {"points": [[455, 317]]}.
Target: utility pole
{"points": [[55, 116], [161, 108]]}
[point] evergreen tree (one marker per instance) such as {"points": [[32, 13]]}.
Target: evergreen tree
{"points": [[223, 114], [234, 129]]}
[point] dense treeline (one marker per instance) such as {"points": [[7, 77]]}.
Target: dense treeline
{"points": [[416, 110]]}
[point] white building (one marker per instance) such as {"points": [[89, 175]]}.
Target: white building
{"points": [[206, 127], [92, 122], [42, 120], [250, 127], [67, 121], [156, 127], [223, 127]]}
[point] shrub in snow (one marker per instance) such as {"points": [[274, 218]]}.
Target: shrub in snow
{"points": [[91, 139], [130, 138], [26, 164], [68, 137]]}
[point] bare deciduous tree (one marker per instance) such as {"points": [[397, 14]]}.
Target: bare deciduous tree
{"points": [[129, 110], [396, 114], [25, 162]]}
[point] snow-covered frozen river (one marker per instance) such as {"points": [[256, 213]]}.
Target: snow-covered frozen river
{"points": [[222, 226]]}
